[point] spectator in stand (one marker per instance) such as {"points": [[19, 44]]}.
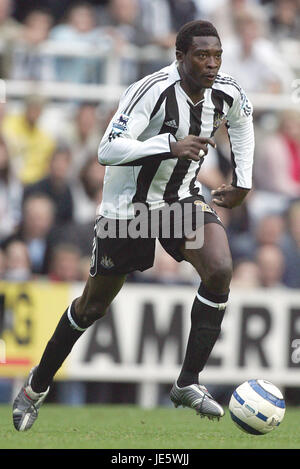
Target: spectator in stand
{"points": [[57, 7], [17, 262], [65, 263], [28, 63], [223, 12], [29, 146], [120, 18], [245, 274], [290, 246], [270, 261], [84, 137], [269, 230], [11, 193], [2, 113], [182, 11], [35, 231], [87, 194], [138, 22], [210, 175], [144, 22], [2, 263], [10, 30], [165, 270], [84, 268], [157, 23], [285, 20], [278, 157], [253, 59], [80, 33], [56, 185]]}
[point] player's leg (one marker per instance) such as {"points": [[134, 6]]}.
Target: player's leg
{"points": [[112, 258], [98, 294], [83, 312], [214, 264]]}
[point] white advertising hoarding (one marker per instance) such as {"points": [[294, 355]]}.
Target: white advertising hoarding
{"points": [[143, 337]]}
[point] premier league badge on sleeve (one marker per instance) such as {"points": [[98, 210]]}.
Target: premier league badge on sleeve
{"points": [[119, 126], [121, 123]]}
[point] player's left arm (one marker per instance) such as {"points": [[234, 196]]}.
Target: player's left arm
{"points": [[241, 136]]}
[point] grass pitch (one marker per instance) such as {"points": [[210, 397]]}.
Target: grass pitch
{"points": [[128, 427]]}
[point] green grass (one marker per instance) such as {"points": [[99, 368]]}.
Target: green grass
{"points": [[120, 427]]}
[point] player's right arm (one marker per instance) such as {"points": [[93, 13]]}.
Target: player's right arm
{"points": [[120, 145], [241, 136]]}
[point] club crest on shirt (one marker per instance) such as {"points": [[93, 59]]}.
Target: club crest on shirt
{"points": [[218, 119], [205, 207], [107, 262]]}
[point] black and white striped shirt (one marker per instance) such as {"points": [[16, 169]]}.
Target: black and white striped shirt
{"points": [[154, 112]]}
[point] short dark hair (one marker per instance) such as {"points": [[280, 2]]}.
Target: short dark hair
{"points": [[186, 33]]}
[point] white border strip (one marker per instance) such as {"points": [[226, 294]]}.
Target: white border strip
{"points": [[73, 323], [211, 303]]}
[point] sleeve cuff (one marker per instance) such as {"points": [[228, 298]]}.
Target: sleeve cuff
{"points": [[239, 187], [172, 139]]}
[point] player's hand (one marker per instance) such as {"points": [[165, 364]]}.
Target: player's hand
{"points": [[228, 196], [191, 147]]}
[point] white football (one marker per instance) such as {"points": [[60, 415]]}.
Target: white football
{"points": [[257, 406]]}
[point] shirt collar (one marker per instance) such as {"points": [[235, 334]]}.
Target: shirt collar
{"points": [[174, 71]]}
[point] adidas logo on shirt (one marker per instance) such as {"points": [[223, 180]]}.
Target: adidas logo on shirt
{"points": [[172, 124]]}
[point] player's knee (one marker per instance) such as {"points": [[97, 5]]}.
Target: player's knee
{"points": [[218, 275], [90, 313]]}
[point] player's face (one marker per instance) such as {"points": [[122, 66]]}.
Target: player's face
{"points": [[200, 65]]}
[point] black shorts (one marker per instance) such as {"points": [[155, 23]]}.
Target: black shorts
{"points": [[118, 253]]}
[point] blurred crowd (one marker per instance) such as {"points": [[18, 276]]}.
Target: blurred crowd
{"points": [[50, 179]]}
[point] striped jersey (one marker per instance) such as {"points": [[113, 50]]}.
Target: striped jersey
{"points": [[154, 112]]}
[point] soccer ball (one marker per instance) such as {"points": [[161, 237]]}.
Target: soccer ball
{"points": [[257, 407]]}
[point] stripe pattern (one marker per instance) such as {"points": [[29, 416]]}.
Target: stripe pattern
{"points": [[277, 402], [182, 167], [244, 426], [271, 398], [227, 80], [160, 178], [207, 302], [150, 168], [72, 322], [259, 415], [232, 157], [142, 90]]}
